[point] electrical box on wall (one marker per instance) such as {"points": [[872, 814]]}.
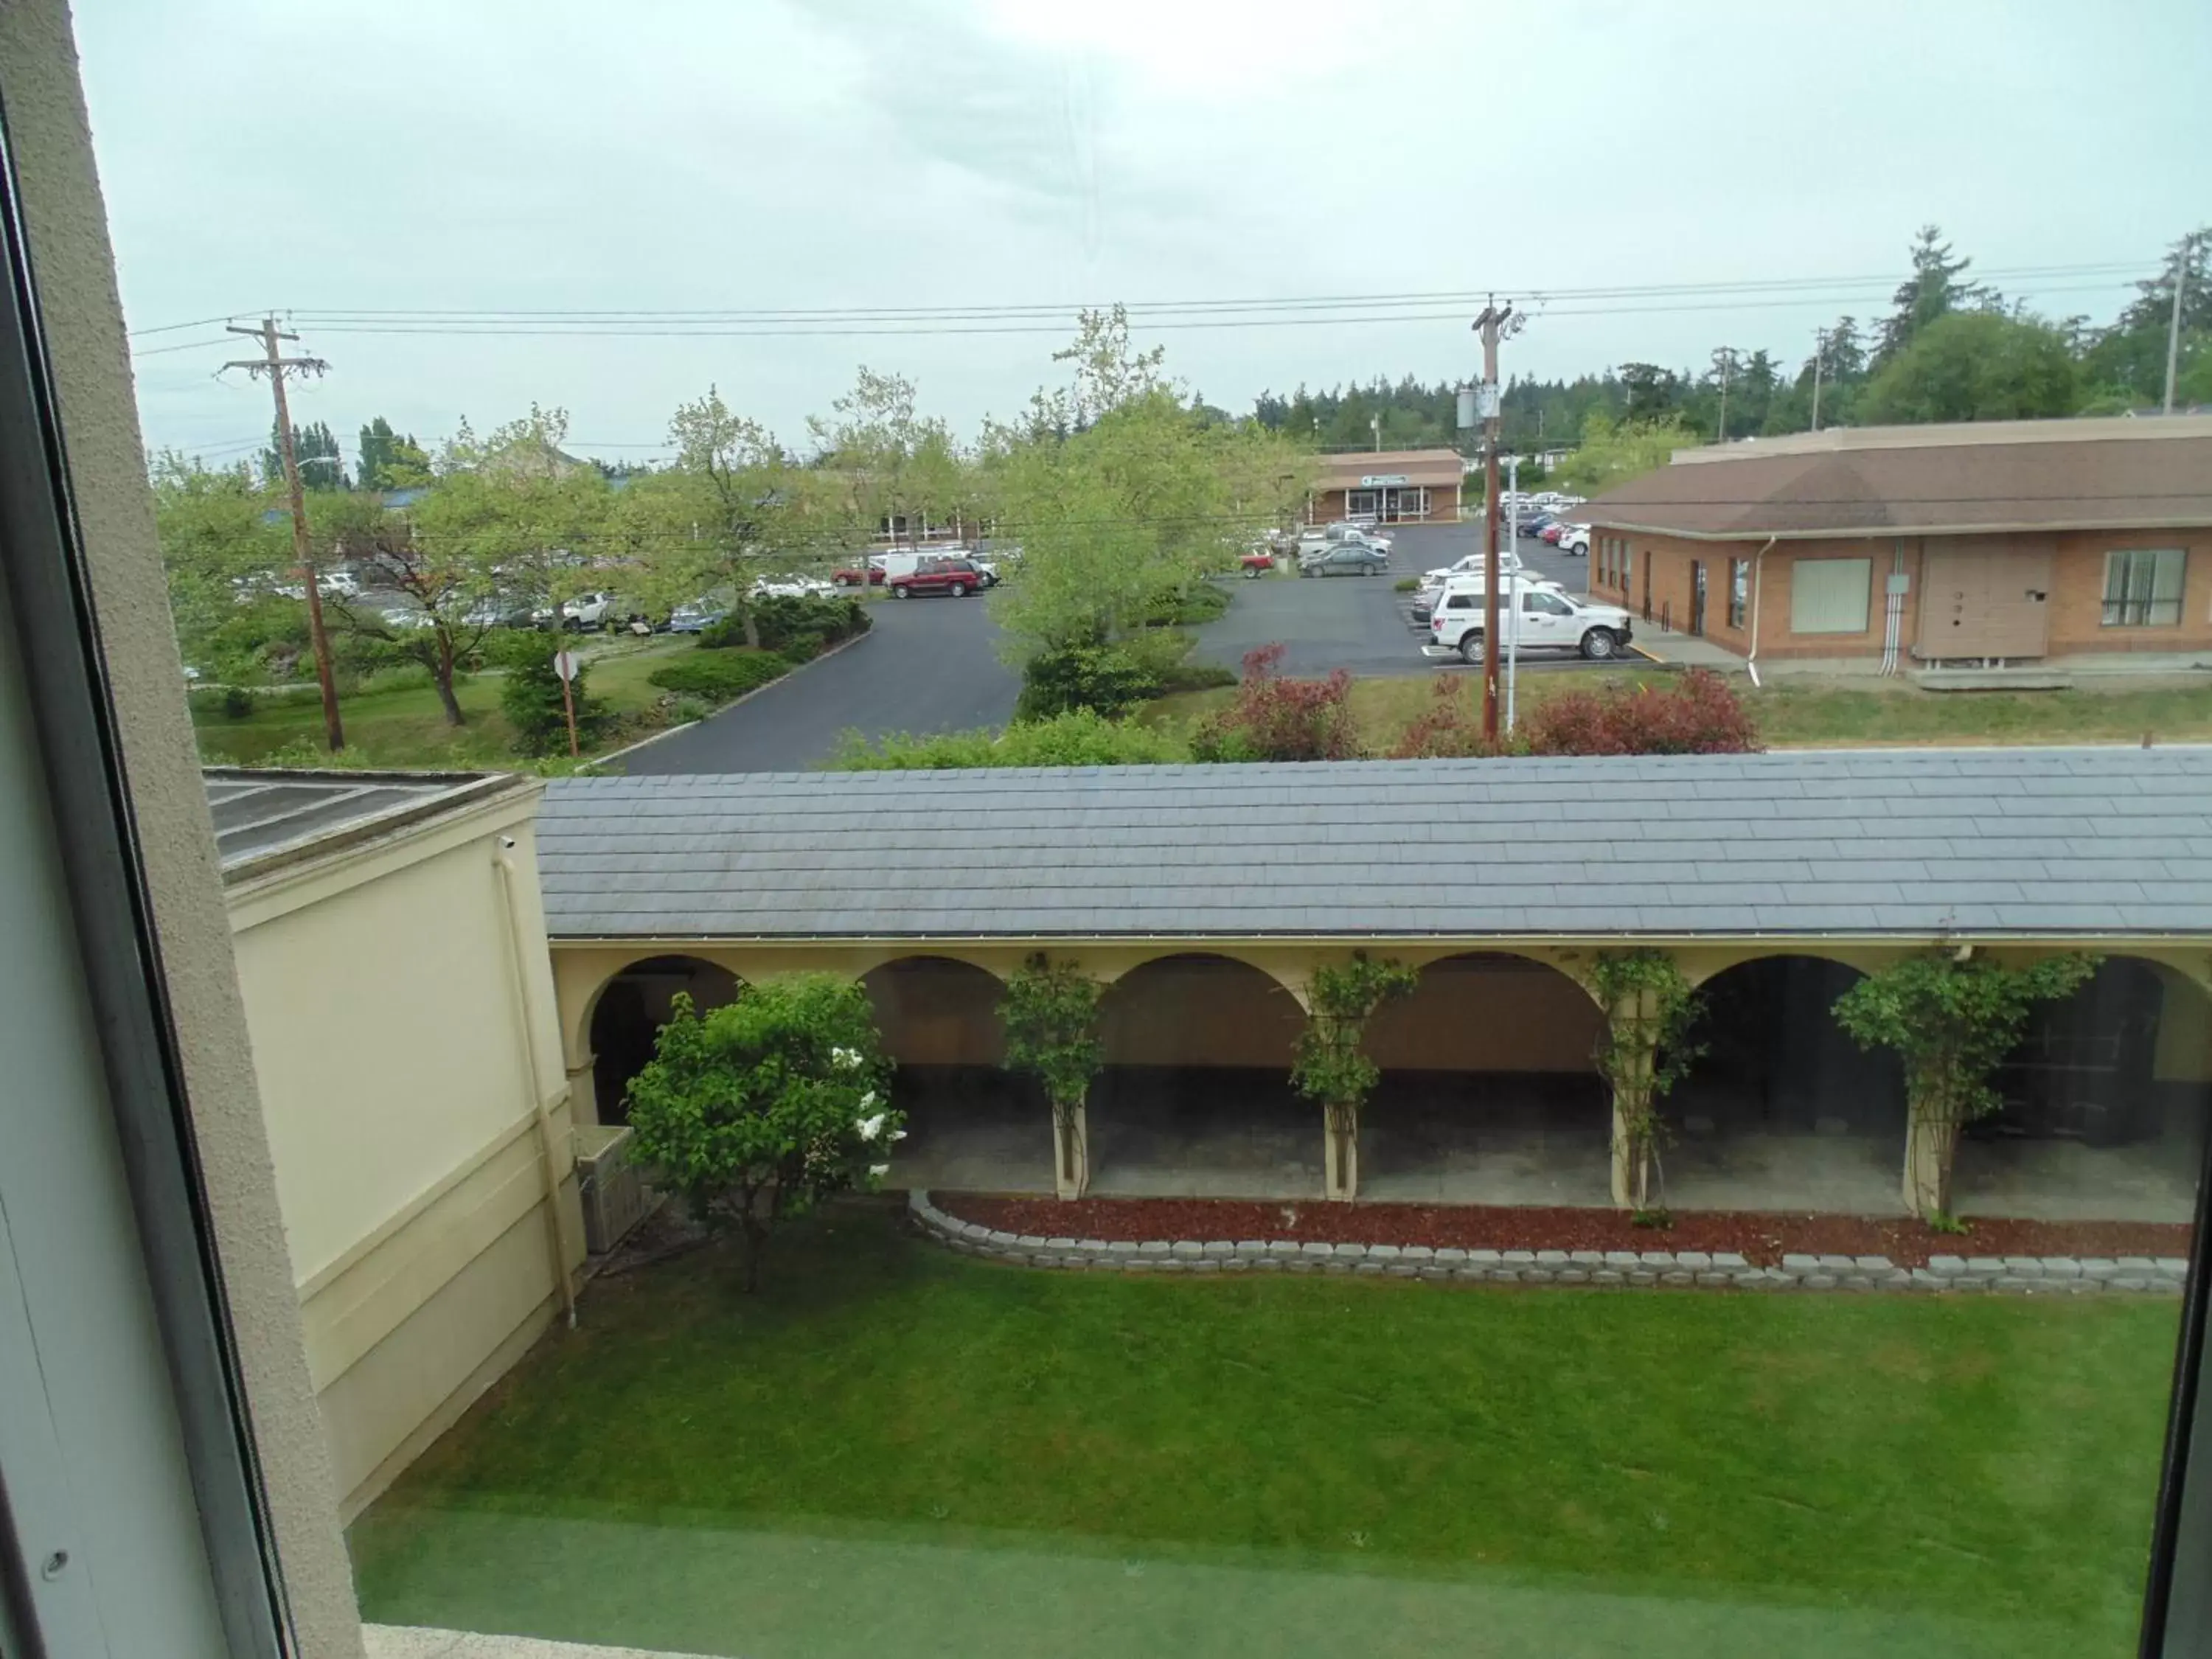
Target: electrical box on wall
{"points": [[1900, 583]]}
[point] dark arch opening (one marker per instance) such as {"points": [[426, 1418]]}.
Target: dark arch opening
{"points": [[1488, 1094], [627, 1020], [1783, 1111], [1195, 1099], [970, 1127], [2107, 1101]]}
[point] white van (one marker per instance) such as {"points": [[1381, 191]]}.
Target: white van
{"points": [[1550, 620]]}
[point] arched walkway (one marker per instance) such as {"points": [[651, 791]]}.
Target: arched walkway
{"points": [[970, 1127], [1195, 1100], [2107, 1100], [1488, 1093], [1783, 1111], [629, 1014]]}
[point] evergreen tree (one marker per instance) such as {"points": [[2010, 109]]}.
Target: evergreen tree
{"points": [[1938, 286], [389, 461]]}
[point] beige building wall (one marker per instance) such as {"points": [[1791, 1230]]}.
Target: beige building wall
{"points": [[399, 998]]}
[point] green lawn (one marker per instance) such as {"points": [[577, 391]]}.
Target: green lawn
{"points": [[407, 728], [894, 1450], [1795, 714]]}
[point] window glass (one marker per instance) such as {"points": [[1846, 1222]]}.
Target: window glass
{"points": [[2143, 587], [1154, 1109], [1830, 596]]}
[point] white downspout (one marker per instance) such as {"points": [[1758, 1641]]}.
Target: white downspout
{"points": [[1757, 570], [547, 1144]]}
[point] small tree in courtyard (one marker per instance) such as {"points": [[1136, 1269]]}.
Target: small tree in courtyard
{"points": [[1332, 1068], [1643, 1049], [1051, 1014], [759, 1109], [1952, 1018]]}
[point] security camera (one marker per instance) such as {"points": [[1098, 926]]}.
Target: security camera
{"points": [[508, 841]]}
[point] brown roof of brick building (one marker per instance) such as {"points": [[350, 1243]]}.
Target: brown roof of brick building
{"points": [[1431, 467], [2009, 475]]}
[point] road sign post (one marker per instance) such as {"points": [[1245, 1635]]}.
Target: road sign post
{"points": [[565, 664]]}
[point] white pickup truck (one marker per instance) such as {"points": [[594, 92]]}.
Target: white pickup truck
{"points": [[1320, 538], [1549, 620]]}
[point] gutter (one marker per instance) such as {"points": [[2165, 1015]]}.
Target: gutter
{"points": [[1758, 584]]}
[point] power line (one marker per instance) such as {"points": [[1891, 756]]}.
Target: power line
{"points": [[1808, 286]]}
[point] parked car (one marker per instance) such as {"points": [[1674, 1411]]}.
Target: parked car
{"points": [[1550, 533], [854, 575], [1319, 539], [790, 587], [584, 610], [1424, 597], [695, 617], [1257, 562], [1535, 524], [1347, 559], [1549, 620], [956, 578], [1575, 538], [494, 611]]}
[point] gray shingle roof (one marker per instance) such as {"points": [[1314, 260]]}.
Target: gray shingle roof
{"points": [[2029, 842]]}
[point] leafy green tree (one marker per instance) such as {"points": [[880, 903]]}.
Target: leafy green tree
{"points": [[1653, 393], [389, 461], [1975, 366], [1051, 1014], [446, 605], [1122, 495], [315, 447], [900, 467], [532, 697], [759, 1109], [1936, 289], [1610, 454], [514, 518], [1951, 1018], [1643, 1049], [224, 544], [1332, 1068], [2126, 363]]}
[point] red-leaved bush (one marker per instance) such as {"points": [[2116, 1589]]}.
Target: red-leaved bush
{"points": [[1275, 719], [1695, 715], [1698, 714]]}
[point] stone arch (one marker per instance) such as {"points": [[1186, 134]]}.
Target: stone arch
{"points": [[1488, 1094], [2107, 1101], [627, 1011], [1195, 1098], [1782, 1110], [970, 1127]]}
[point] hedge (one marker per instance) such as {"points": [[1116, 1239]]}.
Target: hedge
{"points": [[721, 676]]}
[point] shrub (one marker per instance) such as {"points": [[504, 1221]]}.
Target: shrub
{"points": [[778, 622], [1106, 679], [758, 1110], [1077, 738], [530, 693], [230, 703], [1186, 607], [802, 648], [720, 676], [1698, 714], [1195, 676], [1275, 719], [1406, 585], [1451, 726]]}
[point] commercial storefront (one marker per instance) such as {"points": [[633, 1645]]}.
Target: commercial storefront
{"points": [[1903, 547], [1391, 486]]}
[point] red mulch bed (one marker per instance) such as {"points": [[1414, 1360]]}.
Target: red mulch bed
{"points": [[1762, 1236]]}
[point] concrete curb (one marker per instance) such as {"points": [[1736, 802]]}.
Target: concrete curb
{"points": [[783, 678], [2018, 1275]]}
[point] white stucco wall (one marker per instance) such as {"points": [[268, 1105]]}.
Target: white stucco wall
{"points": [[397, 1001]]}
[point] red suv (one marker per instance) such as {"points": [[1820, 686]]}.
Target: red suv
{"points": [[957, 577]]}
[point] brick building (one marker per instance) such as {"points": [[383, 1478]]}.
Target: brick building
{"points": [[1397, 486], [2002, 542]]}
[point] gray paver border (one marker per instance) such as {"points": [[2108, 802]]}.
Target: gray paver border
{"points": [[1656, 1269]]}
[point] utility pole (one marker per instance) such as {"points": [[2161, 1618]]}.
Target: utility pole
{"points": [[276, 366], [1724, 360], [1819, 351], [1375, 425], [2181, 258], [1495, 320]]}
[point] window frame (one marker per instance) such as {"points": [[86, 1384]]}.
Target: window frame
{"points": [[1799, 622], [1738, 593]]}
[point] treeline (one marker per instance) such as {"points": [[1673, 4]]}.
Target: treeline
{"points": [[1949, 348]]}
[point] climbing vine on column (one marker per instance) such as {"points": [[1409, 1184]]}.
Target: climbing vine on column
{"points": [[1332, 1068], [1644, 1048], [1051, 1014], [1952, 1016]]}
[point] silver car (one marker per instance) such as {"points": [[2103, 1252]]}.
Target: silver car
{"points": [[1351, 559]]}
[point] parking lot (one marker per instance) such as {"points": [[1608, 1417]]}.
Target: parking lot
{"points": [[933, 664]]}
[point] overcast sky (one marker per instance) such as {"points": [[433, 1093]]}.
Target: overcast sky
{"points": [[845, 154]]}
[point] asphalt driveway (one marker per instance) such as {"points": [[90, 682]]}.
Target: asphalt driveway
{"points": [[927, 665], [933, 664]]}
